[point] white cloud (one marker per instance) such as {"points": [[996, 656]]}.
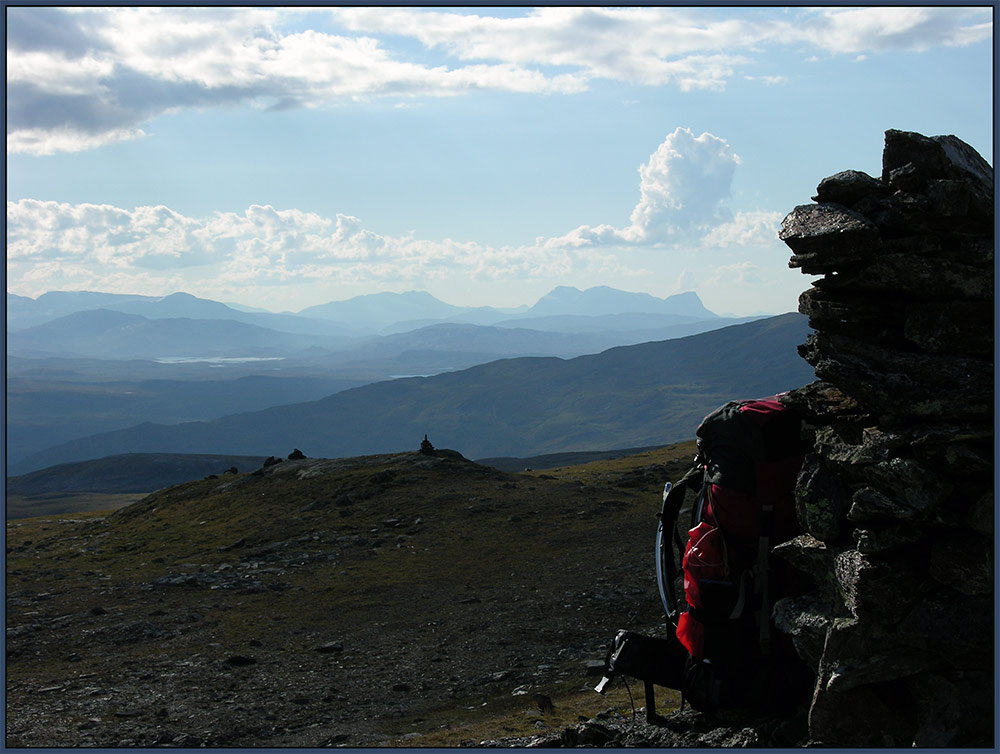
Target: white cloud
{"points": [[141, 62], [81, 77], [683, 185], [759, 228], [859, 30], [683, 190], [55, 245]]}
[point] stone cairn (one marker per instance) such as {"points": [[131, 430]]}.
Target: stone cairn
{"points": [[897, 497]]}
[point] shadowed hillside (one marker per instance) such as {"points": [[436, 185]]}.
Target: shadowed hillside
{"points": [[631, 396]]}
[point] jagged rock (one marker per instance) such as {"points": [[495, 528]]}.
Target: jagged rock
{"points": [[961, 327], [846, 311], [876, 591], [848, 187], [954, 709], [860, 718], [874, 446], [901, 419], [806, 619], [825, 236], [919, 492], [963, 561], [588, 734], [935, 157], [899, 383], [820, 402], [296, 455], [923, 278], [877, 538], [954, 626], [980, 516], [821, 500], [871, 505]]}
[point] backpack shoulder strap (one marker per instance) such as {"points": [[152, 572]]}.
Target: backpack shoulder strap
{"points": [[668, 566]]}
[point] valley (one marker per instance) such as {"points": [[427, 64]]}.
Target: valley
{"points": [[85, 363]]}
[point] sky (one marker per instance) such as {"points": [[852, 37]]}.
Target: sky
{"points": [[286, 157]]}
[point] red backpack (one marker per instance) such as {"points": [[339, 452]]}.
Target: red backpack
{"points": [[749, 456]]}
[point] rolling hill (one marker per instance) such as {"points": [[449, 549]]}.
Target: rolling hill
{"points": [[630, 396]]}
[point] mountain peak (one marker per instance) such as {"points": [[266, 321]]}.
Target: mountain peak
{"points": [[603, 299]]}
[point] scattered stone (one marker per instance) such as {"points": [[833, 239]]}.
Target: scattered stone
{"points": [[330, 647], [544, 703]]}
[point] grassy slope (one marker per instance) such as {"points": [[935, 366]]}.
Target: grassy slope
{"points": [[507, 581]]}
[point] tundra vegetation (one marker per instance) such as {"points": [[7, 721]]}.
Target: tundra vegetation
{"points": [[409, 599]]}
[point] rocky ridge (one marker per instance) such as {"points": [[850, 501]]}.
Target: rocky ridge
{"points": [[897, 499]]}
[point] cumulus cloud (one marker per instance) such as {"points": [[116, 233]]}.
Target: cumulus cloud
{"points": [[81, 77], [683, 190], [684, 185], [757, 228], [52, 245]]}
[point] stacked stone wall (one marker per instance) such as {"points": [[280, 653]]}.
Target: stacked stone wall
{"points": [[897, 497]]}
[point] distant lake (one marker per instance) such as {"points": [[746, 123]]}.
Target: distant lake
{"points": [[216, 360]]}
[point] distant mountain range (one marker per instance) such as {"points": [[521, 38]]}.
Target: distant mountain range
{"points": [[640, 395], [361, 315], [24, 313], [86, 324], [83, 362]]}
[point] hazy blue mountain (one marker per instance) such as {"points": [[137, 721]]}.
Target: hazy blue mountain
{"points": [[630, 396], [647, 325], [385, 313], [379, 309], [498, 341], [24, 312], [184, 305], [103, 333], [604, 300]]}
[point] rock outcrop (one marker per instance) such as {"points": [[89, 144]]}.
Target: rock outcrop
{"points": [[897, 498]]}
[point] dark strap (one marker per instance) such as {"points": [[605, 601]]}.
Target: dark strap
{"points": [[763, 580], [672, 503]]}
